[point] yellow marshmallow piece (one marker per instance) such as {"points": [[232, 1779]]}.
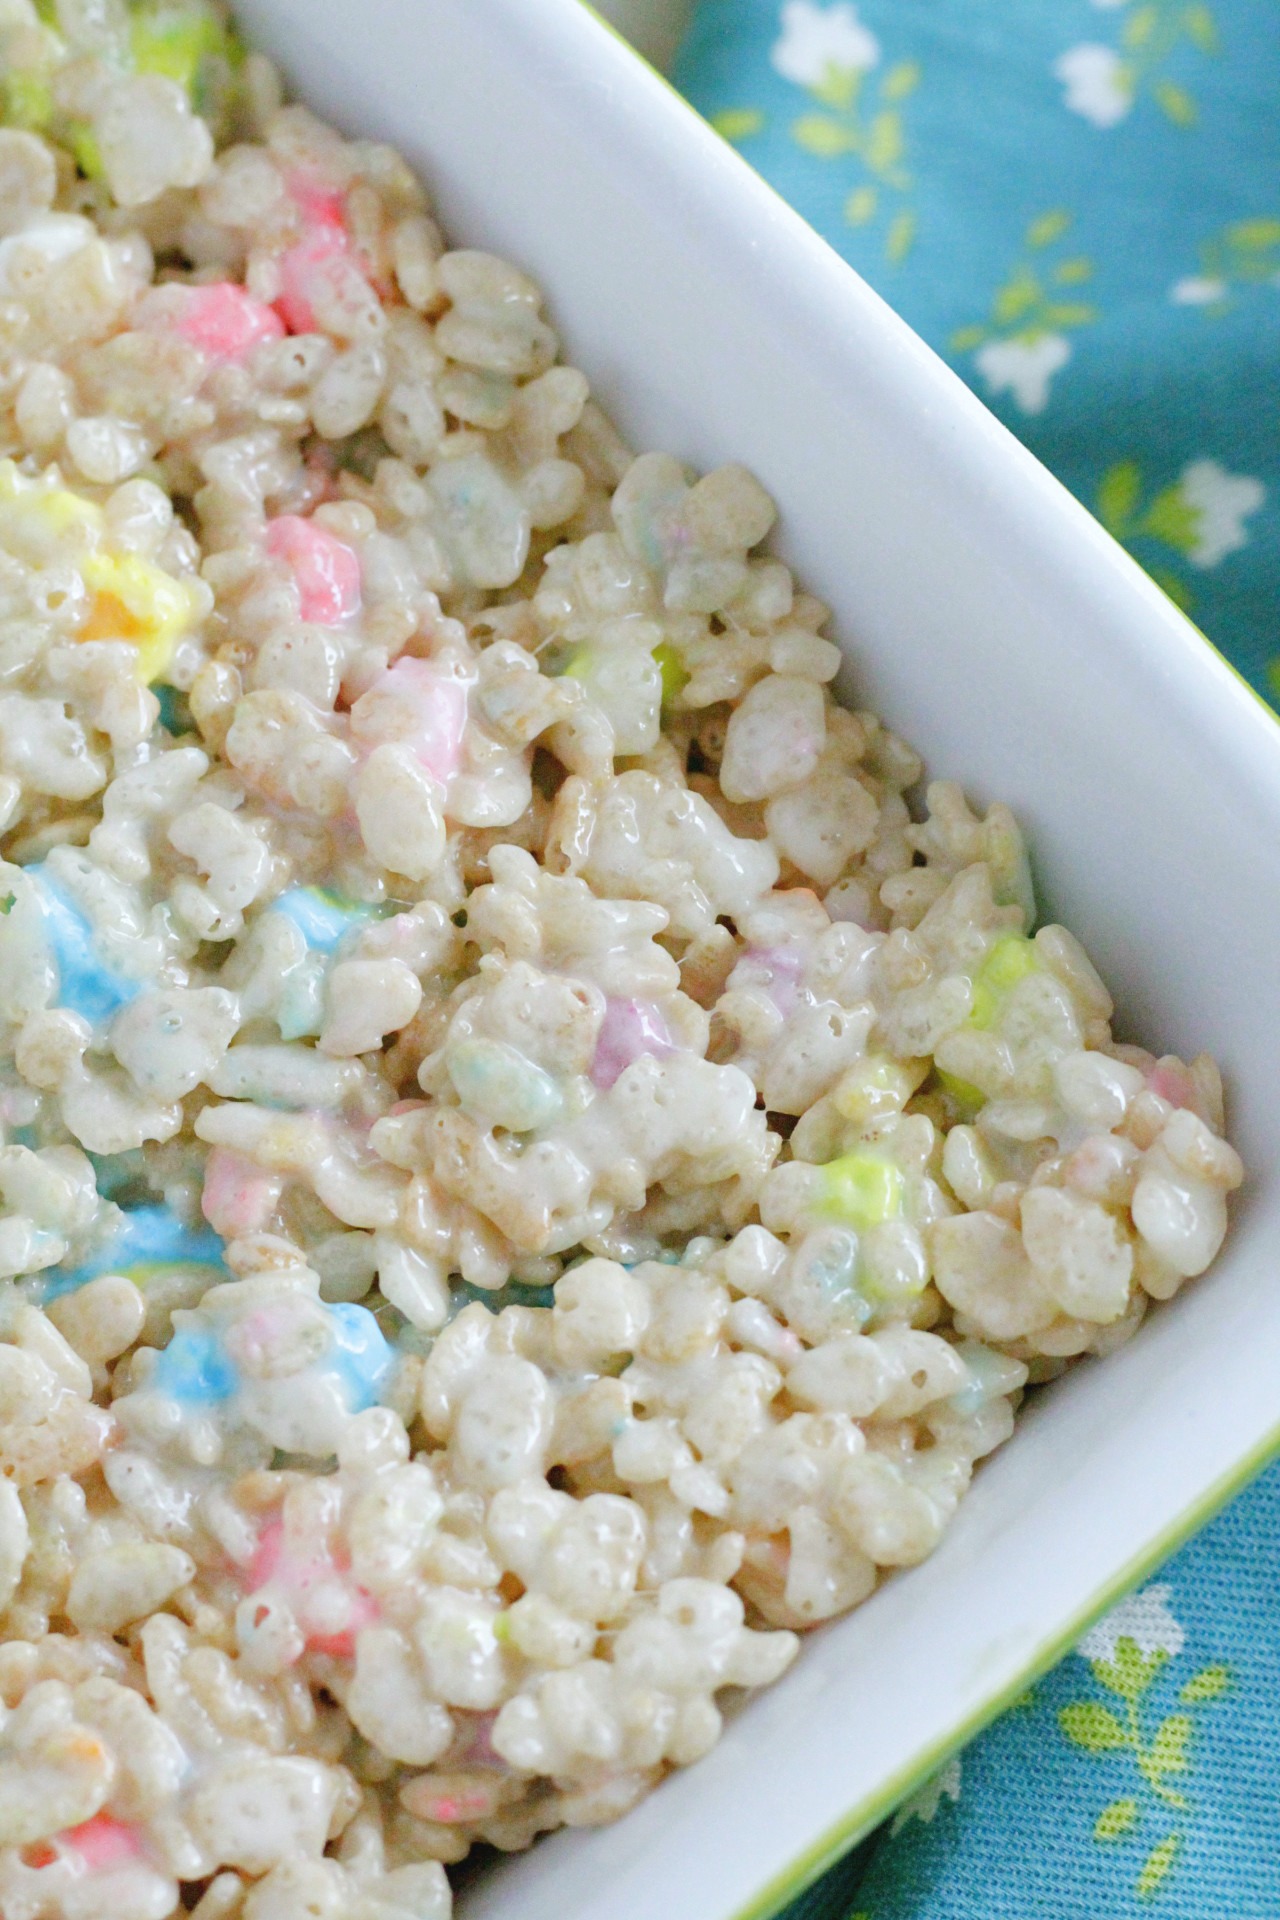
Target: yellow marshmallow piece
{"points": [[35, 517], [129, 599], [134, 601]]}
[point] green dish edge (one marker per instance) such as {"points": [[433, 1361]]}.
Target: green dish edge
{"points": [[868, 1813]]}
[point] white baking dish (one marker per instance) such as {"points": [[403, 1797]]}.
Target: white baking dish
{"points": [[1006, 635]]}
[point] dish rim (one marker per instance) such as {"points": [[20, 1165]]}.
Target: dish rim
{"points": [[867, 1814]]}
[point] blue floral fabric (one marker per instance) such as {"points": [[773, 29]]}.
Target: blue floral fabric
{"points": [[1077, 202], [1138, 1777]]}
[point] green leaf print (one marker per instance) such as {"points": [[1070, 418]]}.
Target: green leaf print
{"points": [[1157, 1866], [872, 131], [1020, 292], [1069, 313], [1150, 33], [1175, 586], [901, 234], [738, 123], [885, 145], [1176, 102], [1022, 309], [900, 81], [1169, 1748], [1140, 27], [827, 138], [1119, 491], [1254, 235], [1116, 1820], [1174, 521], [1048, 227], [1169, 518], [1206, 1685], [1202, 28], [1130, 1672], [1092, 1726], [838, 87], [1127, 1668], [1244, 254]]}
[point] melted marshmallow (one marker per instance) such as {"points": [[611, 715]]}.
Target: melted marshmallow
{"points": [[325, 569]]}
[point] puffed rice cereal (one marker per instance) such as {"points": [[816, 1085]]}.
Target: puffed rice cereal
{"points": [[529, 1175]]}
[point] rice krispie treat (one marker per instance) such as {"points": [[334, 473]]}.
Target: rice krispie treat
{"points": [[530, 1171]]}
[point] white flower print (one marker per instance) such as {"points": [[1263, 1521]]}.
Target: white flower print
{"points": [[815, 40], [1199, 291], [1143, 1618], [1024, 368], [1221, 503], [1097, 82], [925, 1801]]}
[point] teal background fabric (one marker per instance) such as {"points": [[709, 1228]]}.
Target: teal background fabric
{"points": [[1077, 202]]}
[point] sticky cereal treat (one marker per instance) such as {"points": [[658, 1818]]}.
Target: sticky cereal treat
{"points": [[529, 1177]]}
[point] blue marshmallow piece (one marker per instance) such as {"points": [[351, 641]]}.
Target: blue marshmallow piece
{"points": [[195, 1369], [360, 1356], [85, 983], [146, 1241], [321, 916]]}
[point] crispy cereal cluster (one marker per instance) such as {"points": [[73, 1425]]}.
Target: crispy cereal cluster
{"points": [[528, 1177]]}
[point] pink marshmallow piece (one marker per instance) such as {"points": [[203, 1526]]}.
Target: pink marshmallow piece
{"points": [[296, 1576], [326, 569], [267, 1557], [239, 1196], [441, 705], [450, 1808], [322, 251], [103, 1843], [302, 270], [1174, 1084], [321, 207], [226, 323], [630, 1028]]}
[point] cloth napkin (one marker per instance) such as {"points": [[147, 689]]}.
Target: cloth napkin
{"points": [[1077, 202]]}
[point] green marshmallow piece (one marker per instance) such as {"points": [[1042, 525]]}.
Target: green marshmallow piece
{"points": [[80, 139], [861, 1190], [178, 43], [28, 101], [674, 676], [500, 1082], [968, 1098], [1008, 960]]}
